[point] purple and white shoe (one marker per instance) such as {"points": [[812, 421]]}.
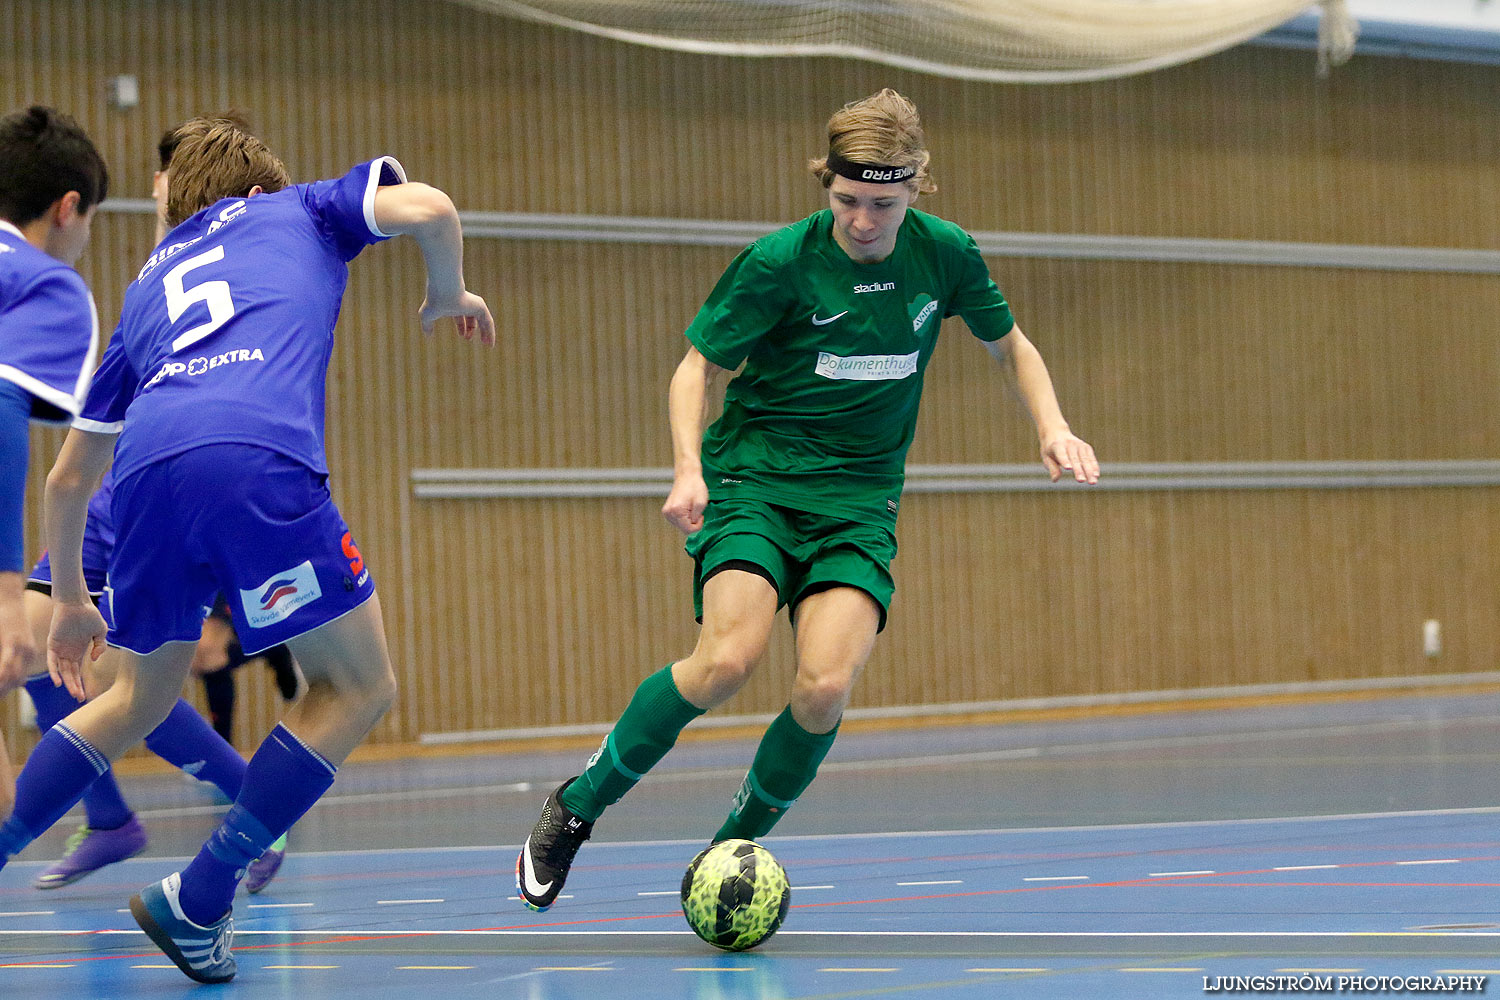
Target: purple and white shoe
{"points": [[265, 867], [89, 850]]}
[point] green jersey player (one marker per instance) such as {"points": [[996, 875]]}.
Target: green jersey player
{"points": [[790, 498]]}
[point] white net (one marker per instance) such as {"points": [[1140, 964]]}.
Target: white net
{"points": [[1018, 41]]}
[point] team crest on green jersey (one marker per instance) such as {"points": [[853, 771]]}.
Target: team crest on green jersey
{"points": [[921, 310]]}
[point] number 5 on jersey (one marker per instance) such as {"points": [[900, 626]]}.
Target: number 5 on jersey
{"points": [[214, 294]]}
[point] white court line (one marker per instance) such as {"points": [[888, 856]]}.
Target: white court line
{"points": [[596, 846], [1056, 878], [434, 968], [542, 932], [949, 881], [406, 902], [38, 965], [299, 966], [1170, 874], [664, 892], [267, 906], [1304, 868], [804, 888], [1444, 861], [33, 913], [1056, 750]]}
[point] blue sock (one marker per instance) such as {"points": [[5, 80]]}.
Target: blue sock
{"points": [[56, 774], [103, 803], [186, 740], [282, 781]]}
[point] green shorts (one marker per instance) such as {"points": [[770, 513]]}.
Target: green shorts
{"points": [[799, 552]]}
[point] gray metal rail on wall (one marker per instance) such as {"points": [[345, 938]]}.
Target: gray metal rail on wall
{"points": [[478, 483], [473, 484], [728, 233]]}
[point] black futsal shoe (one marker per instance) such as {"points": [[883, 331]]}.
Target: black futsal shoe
{"points": [[548, 853]]}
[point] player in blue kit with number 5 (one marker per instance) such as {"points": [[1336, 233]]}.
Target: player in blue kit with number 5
{"points": [[51, 181], [211, 393], [111, 831]]}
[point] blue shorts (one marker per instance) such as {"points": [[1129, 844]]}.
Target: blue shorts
{"points": [[95, 563], [236, 518]]}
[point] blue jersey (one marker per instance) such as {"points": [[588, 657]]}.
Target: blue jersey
{"points": [[48, 327], [226, 334]]}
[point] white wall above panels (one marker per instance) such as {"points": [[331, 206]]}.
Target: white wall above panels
{"points": [[1451, 30]]}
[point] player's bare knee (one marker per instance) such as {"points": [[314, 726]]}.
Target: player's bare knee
{"points": [[374, 695], [139, 709], [818, 702], [383, 694], [730, 667]]}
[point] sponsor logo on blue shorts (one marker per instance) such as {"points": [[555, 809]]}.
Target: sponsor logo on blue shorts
{"points": [[280, 595]]}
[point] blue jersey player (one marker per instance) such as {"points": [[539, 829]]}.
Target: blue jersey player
{"points": [[212, 394], [111, 831], [51, 181]]}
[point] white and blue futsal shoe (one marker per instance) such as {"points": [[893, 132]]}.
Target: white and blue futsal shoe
{"points": [[201, 952]]}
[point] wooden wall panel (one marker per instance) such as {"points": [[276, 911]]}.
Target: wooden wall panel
{"points": [[514, 116], [998, 596], [558, 607]]}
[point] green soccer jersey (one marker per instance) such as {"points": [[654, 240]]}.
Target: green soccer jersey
{"points": [[834, 351]]}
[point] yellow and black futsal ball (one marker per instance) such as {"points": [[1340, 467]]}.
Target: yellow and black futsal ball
{"points": [[735, 894]]}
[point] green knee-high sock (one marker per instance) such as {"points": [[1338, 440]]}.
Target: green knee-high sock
{"points": [[644, 734], [784, 766]]}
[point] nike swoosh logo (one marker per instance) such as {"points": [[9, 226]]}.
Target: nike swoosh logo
{"points": [[825, 322], [528, 874]]}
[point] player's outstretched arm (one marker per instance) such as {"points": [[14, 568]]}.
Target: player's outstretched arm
{"points": [[687, 402], [77, 628], [428, 216], [1026, 374]]}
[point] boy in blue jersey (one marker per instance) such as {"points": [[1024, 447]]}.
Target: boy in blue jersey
{"points": [[211, 394], [219, 652], [111, 832], [51, 181]]}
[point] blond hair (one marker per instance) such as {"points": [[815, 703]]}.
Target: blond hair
{"points": [[197, 125], [223, 161], [882, 129]]}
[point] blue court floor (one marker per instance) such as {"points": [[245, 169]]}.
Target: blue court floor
{"points": [[1151, 855]]}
